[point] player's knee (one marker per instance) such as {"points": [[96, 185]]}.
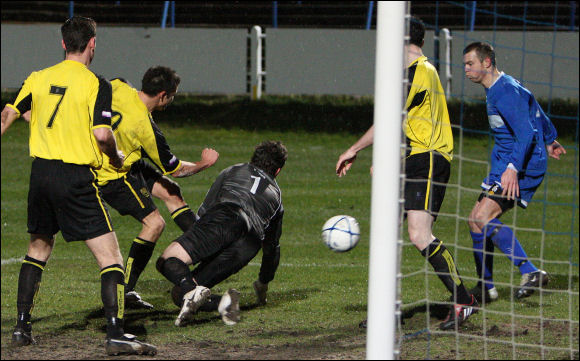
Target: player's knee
{"points": [[476, 221], [155, 223]]}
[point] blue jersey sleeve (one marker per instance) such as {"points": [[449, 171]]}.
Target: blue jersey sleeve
{"points": [[514, 109], [548, 129]]}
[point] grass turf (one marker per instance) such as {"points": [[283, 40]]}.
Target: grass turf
{"points": [[318, 297]]}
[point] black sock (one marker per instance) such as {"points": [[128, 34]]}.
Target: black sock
{"points": [[443, 263], [139, 255], [28, 285], [176, 271], [113, 296], [183, 217]]}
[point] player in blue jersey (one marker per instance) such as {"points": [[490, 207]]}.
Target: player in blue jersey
{"points": [[524, 138]]}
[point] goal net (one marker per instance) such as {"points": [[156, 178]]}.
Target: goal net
{"points": [[537, 44]]}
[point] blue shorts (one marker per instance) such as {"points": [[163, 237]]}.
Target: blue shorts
{"points": [[528, 186]]}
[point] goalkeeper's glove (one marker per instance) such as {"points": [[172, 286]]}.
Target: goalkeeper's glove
{"points": [[261, 290]]}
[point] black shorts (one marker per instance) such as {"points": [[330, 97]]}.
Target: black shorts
{"points": [[131, 194], [217, 229], [65, 197], [426, 177], [148, 171], [494, 193]]}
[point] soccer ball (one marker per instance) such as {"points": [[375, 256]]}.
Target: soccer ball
{"points": [[341, 233]]}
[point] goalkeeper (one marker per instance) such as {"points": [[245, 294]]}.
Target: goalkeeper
{"points": [[242, 212], [524, 137]]}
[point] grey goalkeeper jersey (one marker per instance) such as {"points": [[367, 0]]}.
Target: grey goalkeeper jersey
{"points": [[257, 194]]}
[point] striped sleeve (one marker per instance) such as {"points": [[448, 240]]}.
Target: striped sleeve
{"points": [[23, 101], [156, 148], [102, 112]]}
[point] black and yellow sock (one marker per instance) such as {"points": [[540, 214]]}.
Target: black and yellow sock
{"points": [[28, 286], [139, 255], [113, 296], [183, 217], [443, 263]]}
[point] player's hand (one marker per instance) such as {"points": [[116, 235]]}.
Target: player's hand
{"points": [[345, 162], [26, 116], [118, 161], [509, 183], [261, 290], [555, 150], [209, 156]]}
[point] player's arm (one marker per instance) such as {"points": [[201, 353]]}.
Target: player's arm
{"points": [[515, 111], [553, 147], [555, 150], [108, 145], [270, 257], [208, 158], [21, 105], [9, 115], [346, 159]]}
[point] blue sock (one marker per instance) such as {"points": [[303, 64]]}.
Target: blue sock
{"points": [[503, 237], [478, 245]]}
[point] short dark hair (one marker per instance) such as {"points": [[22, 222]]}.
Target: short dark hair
{"points": [[416, 31], [482, 50], [76, 33], [158, 79], [270, 156]]}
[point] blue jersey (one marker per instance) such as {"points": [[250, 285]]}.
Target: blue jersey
{"points": [[520, 128]]}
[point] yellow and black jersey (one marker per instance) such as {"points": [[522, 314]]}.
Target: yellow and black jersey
{"points": [[427, 127], [136, 133], [67, 101]]}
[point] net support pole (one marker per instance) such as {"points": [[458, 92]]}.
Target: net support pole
{"points": [[257, 74], [388, 107]]}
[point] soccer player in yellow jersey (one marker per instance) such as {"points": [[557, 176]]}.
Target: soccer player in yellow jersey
{"points": [[70, 130], [427, 170], [129, 189]]}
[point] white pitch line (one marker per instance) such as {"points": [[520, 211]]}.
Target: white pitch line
{"points": [[12, 260]]}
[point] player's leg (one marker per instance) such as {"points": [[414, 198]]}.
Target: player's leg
{"points": [[228, 262], [129, 196], [484, 218], [170, 193], [419, 226], [85, 217], [106, 250], [140, 253], [216, 269], [29, 279], [174, 265], [483, 249], [215, 231], [42, 225], [427, 175]]}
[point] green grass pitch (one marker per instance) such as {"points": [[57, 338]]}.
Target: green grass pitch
{"points": [[318, 297]]}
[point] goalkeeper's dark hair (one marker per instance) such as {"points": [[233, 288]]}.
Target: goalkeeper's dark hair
{"points": [[77, 32], [269, 156], [158, 79], [416, 31], [482, 50]]}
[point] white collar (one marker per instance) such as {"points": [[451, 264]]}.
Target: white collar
{"points": [[501, 73]]}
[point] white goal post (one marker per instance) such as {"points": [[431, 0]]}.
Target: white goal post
{"points": [[384, 233]]}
